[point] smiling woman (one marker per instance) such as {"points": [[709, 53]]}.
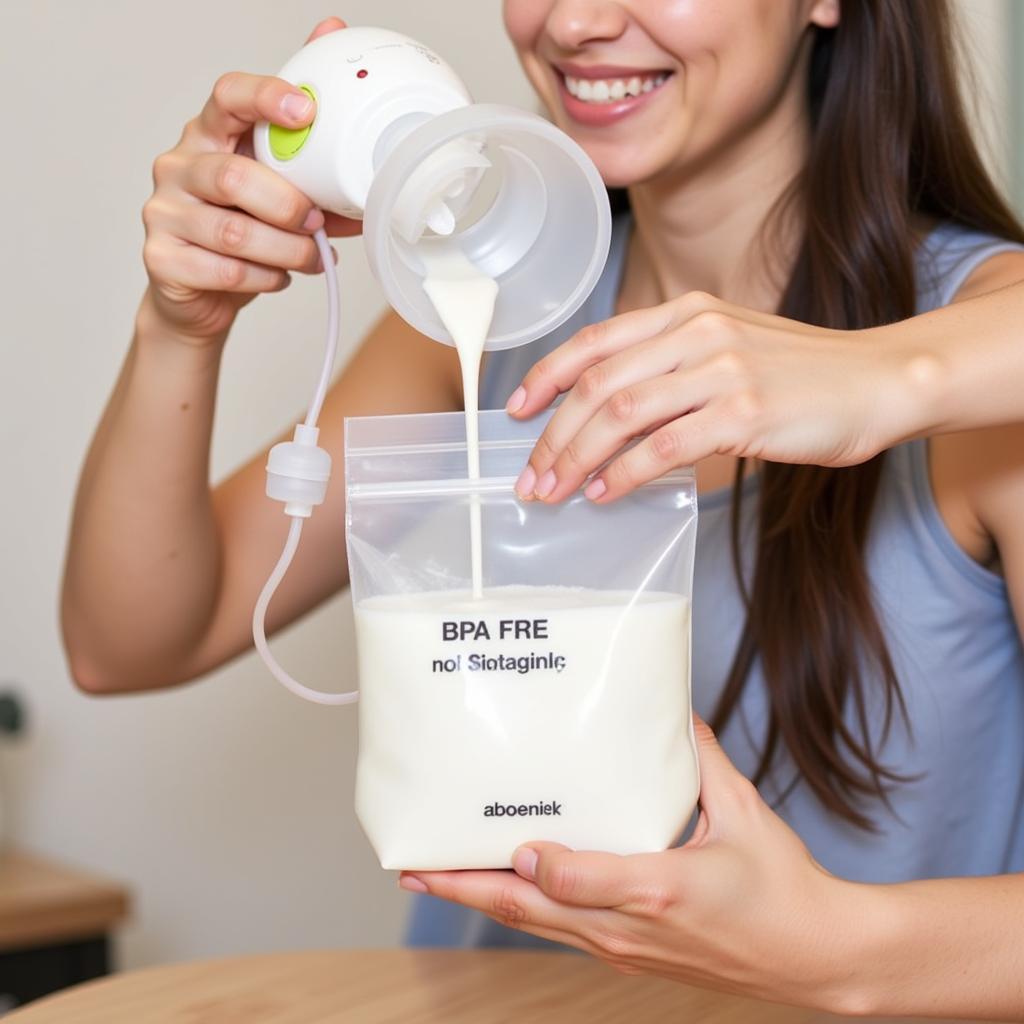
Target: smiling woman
{"points": [[722, 81], [814, 293], [827, 695]]}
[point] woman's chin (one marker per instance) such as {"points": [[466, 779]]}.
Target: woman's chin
{"points": [[617, 172]]}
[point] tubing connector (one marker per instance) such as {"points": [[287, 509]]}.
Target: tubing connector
{"points": [[298, 472]]}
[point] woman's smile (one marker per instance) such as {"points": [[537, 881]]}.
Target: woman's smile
{"points": [[603, 94]]}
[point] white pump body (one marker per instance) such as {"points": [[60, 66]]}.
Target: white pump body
{"points": [[371, 87], [397, 141]]}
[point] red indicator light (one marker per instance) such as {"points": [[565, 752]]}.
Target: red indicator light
{"points": [[362, 73]]}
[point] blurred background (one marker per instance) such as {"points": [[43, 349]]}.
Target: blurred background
{"points": [[225, 806]]}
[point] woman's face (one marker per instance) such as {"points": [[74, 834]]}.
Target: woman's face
{"points": [[654, 86]]}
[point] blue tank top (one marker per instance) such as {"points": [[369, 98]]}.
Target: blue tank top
{"points": [[950, 630]]}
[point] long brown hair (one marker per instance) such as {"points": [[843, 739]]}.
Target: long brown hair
{"points": [[890, 143]]}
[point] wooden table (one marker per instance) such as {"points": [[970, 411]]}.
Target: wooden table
{"points": [[397, 987], [54, 924], [43, 902]]}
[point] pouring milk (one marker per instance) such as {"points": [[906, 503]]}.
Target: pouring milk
{"points": [[464, 298], [514, 700]]}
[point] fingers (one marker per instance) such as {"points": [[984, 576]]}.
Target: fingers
{"points": [[569, 450], [511, 900], [180, 265], [559, 371], [682, 442], [707, 322], [233, 233], [227, 179], [626, 377], [326, 26], [245, 211], [725, 794], [238, 101], [583, 878], [595, 386]]}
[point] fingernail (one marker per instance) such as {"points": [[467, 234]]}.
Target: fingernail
{"points": [[524, 485], [314, 220], [516, 400], [411, 883], [524, 860], [595, 489], [297, 106], [546, 484]]}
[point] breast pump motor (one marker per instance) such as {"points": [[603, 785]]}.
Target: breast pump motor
{"points": [[397, 142]]}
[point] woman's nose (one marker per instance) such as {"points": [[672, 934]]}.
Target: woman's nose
{"points": [[573, 23]]}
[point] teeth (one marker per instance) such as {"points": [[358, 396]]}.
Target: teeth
{"points": [[608, 90]]}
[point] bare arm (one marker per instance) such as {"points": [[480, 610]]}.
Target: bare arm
{"points": [[701, 377], [161, 572], [965, 361], [956, 946]]}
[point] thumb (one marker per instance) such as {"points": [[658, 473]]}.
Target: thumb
{"points": [[325, 26], [582, 878], [723, 789]]}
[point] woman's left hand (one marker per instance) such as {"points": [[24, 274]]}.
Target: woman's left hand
{"points": [[698, 377], [742, 907]]}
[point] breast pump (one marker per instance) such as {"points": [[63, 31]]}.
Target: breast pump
{"points": [[397, 142]]}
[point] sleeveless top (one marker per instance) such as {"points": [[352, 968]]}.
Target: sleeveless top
{"points": [[951, 634]]}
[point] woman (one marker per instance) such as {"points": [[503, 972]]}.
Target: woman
{"points": [[806, 162]]}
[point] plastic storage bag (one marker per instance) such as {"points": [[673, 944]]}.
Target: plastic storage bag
{"points": [[557, 707]]}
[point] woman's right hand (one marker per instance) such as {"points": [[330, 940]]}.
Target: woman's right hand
{"points": [[220, 226]]}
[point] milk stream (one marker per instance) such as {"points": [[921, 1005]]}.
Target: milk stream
{"points": [[538, 712], [464, 298]]}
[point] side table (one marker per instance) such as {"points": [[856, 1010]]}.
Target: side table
{"points": [[55, 923]]}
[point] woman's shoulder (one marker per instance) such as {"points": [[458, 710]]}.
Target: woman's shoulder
{"points": [[955, 261], [974, 475], [1000, 268]]}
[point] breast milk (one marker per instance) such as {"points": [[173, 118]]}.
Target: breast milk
{"points": [[533, 713], [464, 299]]}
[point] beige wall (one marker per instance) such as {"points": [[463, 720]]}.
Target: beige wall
{"points": [[986, 28], [226, 805], [1013, 47]]}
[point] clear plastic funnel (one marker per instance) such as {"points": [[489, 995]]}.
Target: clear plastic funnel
{"points": [[533, 214]]}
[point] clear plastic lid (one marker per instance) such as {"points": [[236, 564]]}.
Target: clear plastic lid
{"points": [[536, 219]]}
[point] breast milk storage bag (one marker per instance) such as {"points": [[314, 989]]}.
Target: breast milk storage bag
{"points": [[555, 703]]}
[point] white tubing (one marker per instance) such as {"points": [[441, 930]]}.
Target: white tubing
{"points": [[259, 615], [333, 304]]}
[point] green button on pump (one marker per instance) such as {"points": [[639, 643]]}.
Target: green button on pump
{"points": [[286, 142]]}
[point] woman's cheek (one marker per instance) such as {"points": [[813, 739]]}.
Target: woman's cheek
{"points": [[524, 20]]}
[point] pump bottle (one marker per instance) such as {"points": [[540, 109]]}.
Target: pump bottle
{"points": [[398, 142]]}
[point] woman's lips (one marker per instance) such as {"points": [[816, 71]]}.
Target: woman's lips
{"points": [[599, 106]]}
